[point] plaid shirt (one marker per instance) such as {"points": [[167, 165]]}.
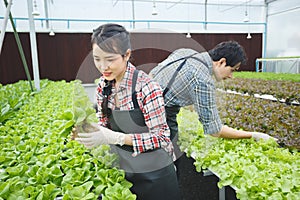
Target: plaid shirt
{"points": [[193, 85], [151, 103]]}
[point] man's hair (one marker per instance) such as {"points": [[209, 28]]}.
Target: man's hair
{"points": [[231, 50], [111, 38]]}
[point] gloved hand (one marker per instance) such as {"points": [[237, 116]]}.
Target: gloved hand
{"points": [[263, 136], [102, 136]]}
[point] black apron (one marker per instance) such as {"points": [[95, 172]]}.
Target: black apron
{"points": [[152, 173], [172, 111]]}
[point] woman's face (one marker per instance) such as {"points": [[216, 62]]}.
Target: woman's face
{"points": [[112, 66]]}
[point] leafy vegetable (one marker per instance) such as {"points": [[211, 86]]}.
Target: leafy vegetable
{"points": [[273, 118], [256, 170], [280, 90], [268, 76], [37, 161]]}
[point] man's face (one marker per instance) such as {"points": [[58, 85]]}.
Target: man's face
{"points": [[223, 71]]}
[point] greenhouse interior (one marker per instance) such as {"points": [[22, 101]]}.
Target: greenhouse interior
{"points": [[222, 123]]}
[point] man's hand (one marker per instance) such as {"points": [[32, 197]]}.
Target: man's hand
{"points": [[101, 136], [263, 136]]}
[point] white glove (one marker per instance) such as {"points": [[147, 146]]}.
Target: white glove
{"points": [[102, 136], [263, 136]]}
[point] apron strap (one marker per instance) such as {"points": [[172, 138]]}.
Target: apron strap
{"points": [[174, 61], [173, 77], [133, 97], [198, 59], [176, 72], [174, 110], [170, 63]]}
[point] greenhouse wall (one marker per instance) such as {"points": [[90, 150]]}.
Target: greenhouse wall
{"points": [[67, 56], [283, 15]]}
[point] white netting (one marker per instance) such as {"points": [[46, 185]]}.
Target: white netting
{"points": [[278, 65]]}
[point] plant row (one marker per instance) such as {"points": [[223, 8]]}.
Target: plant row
{"points": [[257, 170], [250, 113], [286, 90], [268, 76], [12, 97], [38, 160]]}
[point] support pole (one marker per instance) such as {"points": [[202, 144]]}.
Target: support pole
{"points": [[222, 193], [133, 14], [205, 16], [20, 48], [33, 45], [46, 13], [5, 23]]}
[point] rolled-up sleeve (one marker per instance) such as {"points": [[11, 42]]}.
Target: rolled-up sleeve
{"points": [[205, 105]]}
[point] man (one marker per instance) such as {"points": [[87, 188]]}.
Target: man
{"points": [[187, 78]]}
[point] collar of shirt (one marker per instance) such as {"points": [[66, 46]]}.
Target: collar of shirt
{"points": [[207, 59], [127, 79]]}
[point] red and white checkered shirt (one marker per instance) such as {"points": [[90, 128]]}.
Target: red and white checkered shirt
{"points": [[151, 103]]}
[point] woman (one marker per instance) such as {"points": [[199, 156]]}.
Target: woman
{"points": [[132, 117]]}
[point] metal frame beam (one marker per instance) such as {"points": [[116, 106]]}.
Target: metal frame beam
{"points": [[34, 54], [3, 30]]}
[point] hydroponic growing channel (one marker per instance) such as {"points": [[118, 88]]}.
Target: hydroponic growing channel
{"points": [[39, 160]]}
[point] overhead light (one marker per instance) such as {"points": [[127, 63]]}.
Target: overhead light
{"points": [[246, 19], [154, 10], [188, 35], [35, 9], [51, 33], [35, 13], [249, 36]]}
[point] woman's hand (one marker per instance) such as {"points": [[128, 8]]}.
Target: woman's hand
{"points": [[101, 136]]}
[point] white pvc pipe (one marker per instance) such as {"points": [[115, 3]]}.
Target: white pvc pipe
{"points": [[34, 54], [5, 23]]}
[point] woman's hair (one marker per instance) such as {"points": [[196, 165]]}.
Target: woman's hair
{"points": [[231, 50], [112, 38]]}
